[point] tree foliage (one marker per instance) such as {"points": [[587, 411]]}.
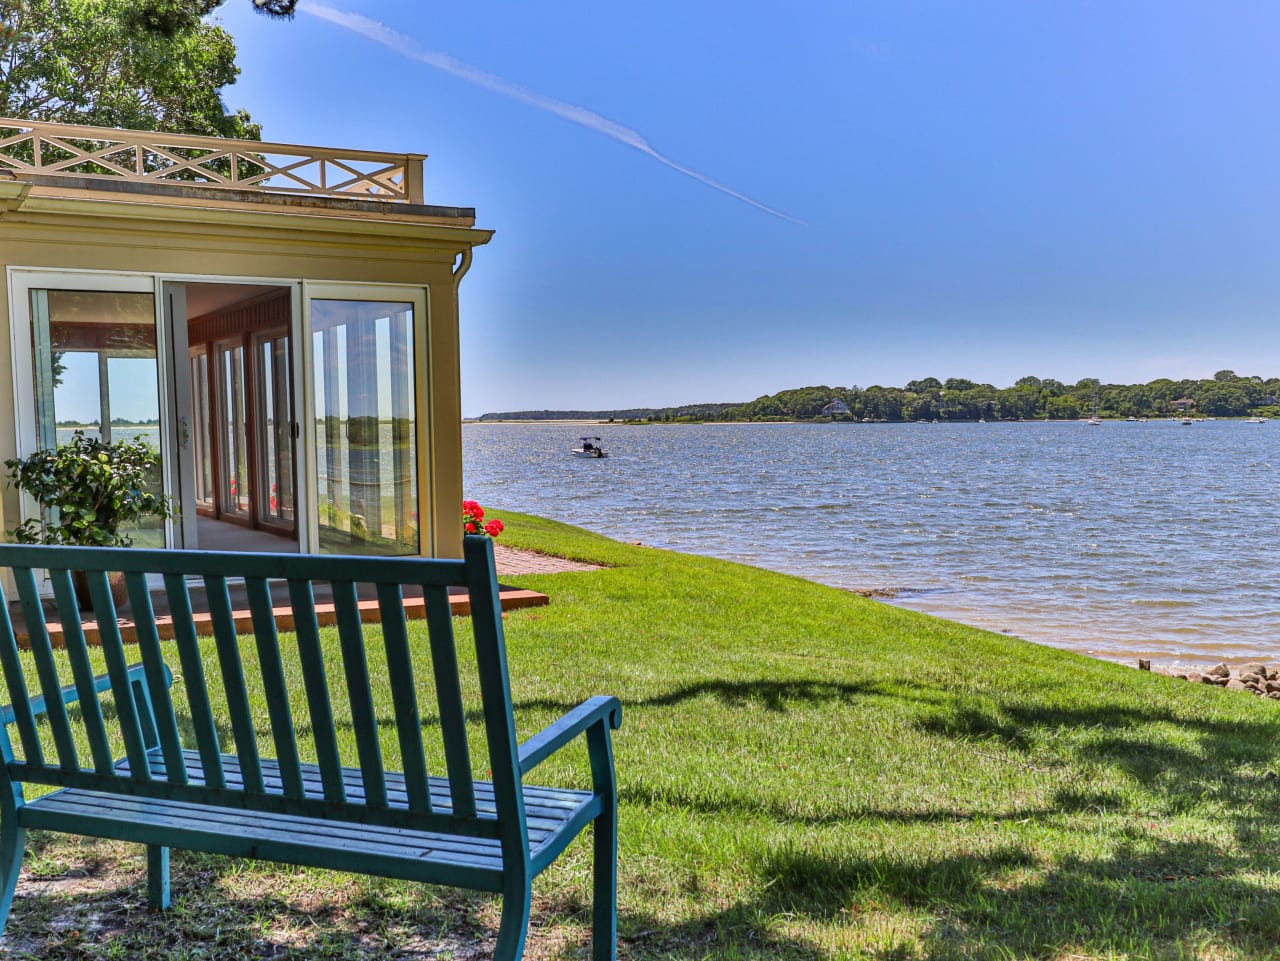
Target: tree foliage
{"points": [[1029, 399], [138, 64], [928, 398]]}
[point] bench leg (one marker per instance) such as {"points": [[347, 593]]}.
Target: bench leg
{"points": [[12, 844], [157, 876], [515, 919], [604, 898]]}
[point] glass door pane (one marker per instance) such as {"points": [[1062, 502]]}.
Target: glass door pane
{"points": [[201, 437], [274, 429], [365, 427], [95, 370], [233, 467]]}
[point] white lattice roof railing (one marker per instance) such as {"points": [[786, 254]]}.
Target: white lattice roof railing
{"points": [[150, 157]]}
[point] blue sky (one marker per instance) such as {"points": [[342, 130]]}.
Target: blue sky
{"points": [[980, 190]]}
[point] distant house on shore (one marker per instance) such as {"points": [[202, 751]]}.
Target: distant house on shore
{"points": [[282, 321], [1184, 403], [837, 408]]}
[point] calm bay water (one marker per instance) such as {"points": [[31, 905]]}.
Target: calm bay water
{"points": [[1125, 540]]}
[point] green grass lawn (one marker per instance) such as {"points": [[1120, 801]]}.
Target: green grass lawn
{"points": [[804, 774]]}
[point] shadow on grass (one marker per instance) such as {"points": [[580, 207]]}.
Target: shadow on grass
{"points": [[772, 695], [1155, 904], [1181, 761], [1020, 725], [1139, 903], [218, 914], [831, 813], [1151, 900], [1150, 896]]}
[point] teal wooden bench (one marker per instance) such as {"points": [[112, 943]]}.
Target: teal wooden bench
{"points": [[246, 792]]}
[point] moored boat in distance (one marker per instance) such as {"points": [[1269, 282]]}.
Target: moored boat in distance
{"points": [[1256, 420], [589, 447], [1094, 420]]}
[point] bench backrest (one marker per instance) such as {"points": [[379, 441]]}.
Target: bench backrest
{"points": [[290, 674]]}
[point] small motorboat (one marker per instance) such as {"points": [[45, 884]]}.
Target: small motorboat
{"points": [[589, 447]]}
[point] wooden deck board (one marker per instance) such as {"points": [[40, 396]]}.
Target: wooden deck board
{"points": [[414, 608]]}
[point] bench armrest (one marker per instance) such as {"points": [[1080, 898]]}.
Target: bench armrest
{"points": [[596, 710], [70, 694]]}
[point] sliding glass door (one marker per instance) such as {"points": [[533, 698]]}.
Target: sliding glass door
{"points": [[87, 360], [366, 435], [273, 418], [297, 409], [233, 429]]}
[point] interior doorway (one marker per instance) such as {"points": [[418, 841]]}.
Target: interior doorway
{"points": [[238, 434]]}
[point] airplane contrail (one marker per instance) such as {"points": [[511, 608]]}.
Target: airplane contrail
{"points": [[408, 47]]}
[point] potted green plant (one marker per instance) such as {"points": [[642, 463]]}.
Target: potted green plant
{"points": [[86, 491]]}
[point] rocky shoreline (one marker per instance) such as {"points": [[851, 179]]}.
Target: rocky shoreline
{"points": [[1256, 678]]}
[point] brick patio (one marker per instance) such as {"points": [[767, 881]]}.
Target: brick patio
{"points": [[513, 560]]}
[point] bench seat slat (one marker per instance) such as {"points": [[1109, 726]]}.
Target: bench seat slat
{"points": [[188, 644], [22, 709], [315, 681], [453, 716], [360, 694], [404, 699], [112, 645], [545, 807], [46, 669], [227, 642], [335, 834], [555, 817], [274, 683], [78, 654], [240, 833], [157, 674]]}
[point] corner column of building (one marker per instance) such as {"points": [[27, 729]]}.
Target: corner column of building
{"points": [[444, 386]]}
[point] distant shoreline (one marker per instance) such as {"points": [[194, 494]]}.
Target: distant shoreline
{"points": [[589, 423], [824, 422]]}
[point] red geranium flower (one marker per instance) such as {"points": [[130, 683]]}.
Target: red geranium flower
{"points": [[473, 520]]}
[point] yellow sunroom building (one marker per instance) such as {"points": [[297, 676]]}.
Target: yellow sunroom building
{"points": [[280, 321]]}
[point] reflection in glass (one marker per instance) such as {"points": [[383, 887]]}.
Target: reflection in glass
{"points": [[234, 430], [365, 427], [274, 426], [95, 370], [201, 436]]}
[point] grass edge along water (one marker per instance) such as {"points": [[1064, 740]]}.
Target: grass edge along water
{"points": [[804, 774]]}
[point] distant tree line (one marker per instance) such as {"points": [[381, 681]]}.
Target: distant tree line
{"points": [[1031, 398], [115, 422], [689, 412]]}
